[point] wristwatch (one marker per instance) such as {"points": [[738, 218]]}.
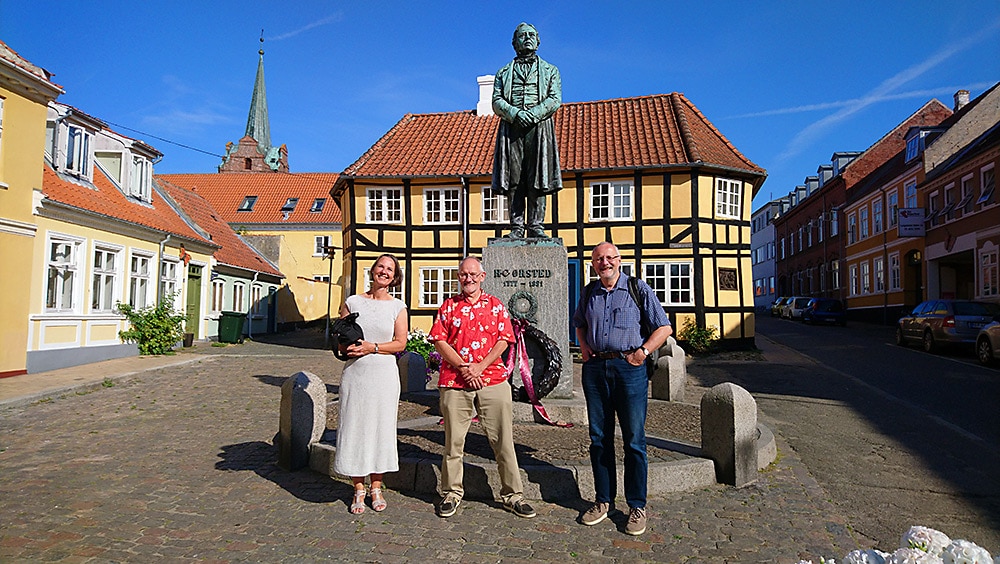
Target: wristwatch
{"points": [[376, 347], [642, 348]]}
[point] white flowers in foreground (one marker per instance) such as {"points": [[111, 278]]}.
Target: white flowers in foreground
{"points": [[921, 545]]}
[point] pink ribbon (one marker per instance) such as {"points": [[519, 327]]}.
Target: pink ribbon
{"points": [[519, 356]]}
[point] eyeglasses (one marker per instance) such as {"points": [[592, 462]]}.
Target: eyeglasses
{"points": [[469, 274], [609, 258]]}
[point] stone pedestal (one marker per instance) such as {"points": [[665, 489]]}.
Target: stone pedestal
{"points": [[729, 433], [531, 276]]}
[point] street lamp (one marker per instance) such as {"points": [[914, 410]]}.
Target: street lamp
{"points": [[329, 251]]}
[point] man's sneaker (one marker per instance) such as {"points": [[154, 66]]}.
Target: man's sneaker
{"points": [[520, 508], [597, 513], [636, 521], [448, 506]]}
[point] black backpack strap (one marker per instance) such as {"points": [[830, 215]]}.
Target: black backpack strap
{"points": [[639, 297]]}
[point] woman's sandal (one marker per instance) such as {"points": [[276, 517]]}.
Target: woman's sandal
{"points": [[378, 500], [358, 505]]}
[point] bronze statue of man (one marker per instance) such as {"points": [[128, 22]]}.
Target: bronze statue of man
{"points": [[526, 93]]}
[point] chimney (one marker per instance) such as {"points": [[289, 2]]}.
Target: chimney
{"points": [[961, 99], [485, 105]]}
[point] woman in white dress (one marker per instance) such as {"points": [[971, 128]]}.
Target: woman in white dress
{"points": [[369, 387]]}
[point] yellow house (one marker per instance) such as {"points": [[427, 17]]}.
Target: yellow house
{"points": [[650, 174], [289, 219], [25, 90], [104, 236]]}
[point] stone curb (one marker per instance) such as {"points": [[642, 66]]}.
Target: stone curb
{"points": [[550, 482]]}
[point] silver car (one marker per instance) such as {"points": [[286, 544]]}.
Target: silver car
{"points": [[945, 322], [794, 307], [988, 342]]}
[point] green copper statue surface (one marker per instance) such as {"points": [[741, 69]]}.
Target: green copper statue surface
{"points": [[526, 93]]}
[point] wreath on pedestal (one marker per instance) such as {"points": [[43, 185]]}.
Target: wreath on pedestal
{"points": [[552, 359]]}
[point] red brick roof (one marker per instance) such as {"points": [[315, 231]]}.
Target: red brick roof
{"points": [[226, 191], [107, 200], [626, 133], [234, 251]]}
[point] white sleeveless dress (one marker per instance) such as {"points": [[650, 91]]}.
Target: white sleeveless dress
{"points": [[369, 396]]}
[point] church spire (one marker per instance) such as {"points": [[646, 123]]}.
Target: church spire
{"points": [[254, 152], [258, 125]]}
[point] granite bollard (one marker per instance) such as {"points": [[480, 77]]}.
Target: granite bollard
{"points": [[670, 376], [302, 420], [729, 433], [412, 372]]}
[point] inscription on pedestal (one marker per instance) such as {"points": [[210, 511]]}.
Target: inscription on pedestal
{"points": [[531, 277]]}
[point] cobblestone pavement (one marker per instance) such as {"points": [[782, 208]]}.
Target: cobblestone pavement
{"points": [[177, 464]]}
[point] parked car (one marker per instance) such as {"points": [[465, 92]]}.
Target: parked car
{"points": [[945, 322], [988, 342], [777, 305], [825, 310], [794, 307]]}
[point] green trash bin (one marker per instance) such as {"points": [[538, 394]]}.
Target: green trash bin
{"points": [[231, 326]]}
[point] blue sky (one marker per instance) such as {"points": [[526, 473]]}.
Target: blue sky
{"points": [[789, 83]]}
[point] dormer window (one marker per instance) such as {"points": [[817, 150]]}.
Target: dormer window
{"points": [[914, 146], [78, 152], [290, 204], [140, 178], [318, 205], [247, 205]]}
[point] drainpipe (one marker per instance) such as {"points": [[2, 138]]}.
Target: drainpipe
{"points": [[465, 219], [159, 268], [250, 307]]}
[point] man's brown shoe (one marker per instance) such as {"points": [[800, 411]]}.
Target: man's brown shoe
{"points": [[597, 513], [636, 521]]}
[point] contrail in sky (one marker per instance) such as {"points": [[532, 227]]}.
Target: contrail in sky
{"points": [[327, 20]]}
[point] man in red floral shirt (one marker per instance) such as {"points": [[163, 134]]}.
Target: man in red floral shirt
{"points": [[471, 331]]}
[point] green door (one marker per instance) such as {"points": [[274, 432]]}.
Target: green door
{"points": [[193, 310]]}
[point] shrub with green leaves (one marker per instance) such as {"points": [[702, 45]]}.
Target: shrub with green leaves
{"points": [[700, 339], [154, 329]]}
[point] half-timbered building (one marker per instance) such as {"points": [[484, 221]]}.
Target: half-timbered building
{"points": [[650, 174]]}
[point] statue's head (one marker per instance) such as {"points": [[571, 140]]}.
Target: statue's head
{"points": [[525, 39]]}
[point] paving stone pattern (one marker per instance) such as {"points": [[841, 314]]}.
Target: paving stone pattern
{"points": [[178, 464]]}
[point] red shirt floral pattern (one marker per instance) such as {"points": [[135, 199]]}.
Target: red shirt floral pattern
{"points": [[472, 329]]}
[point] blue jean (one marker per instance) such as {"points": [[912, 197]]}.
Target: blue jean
{"points": [[615, 387]]}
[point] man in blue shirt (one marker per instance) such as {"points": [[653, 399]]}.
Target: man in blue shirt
{"points": [[609, 327]]}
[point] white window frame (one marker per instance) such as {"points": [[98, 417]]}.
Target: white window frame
{"points": [[384, 205], [878, 272], [62, 290], [728, 196], [104, 277], [854, 279], [910, 193], [895, 279], [834, 223], [139, 279], [627, 268], [239, 292], [852, 229], [611, 201], [141, 178], [835, 274], [496, 207], [671, 281], [218, 294], [863, 223], [822, 277], [967, 196], [1, 124], [988, 273], [78, 141], [442, 206], [437, 283], [987, 196], [809, 234], [877, 221], [892, 200], [866, 278], [319, 242], [256, 303], [169, 276], [394, 291]]}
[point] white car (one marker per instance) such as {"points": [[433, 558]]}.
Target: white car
{"points": [[794, 307]]}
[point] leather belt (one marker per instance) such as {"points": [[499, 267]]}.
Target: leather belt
{"points": [[609, 355]]}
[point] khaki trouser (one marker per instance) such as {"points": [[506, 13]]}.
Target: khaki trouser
{"points": [[494, 405]]}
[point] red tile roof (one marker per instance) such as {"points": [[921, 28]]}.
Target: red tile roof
{"points": [[626, 133], [234, 251], [12, 57], [226, 191], [105, 199]]}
